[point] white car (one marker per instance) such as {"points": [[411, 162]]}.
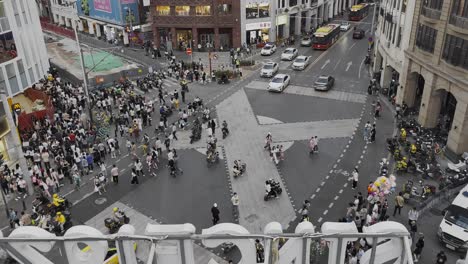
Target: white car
{"points": [[279, 83], [289, 54], [301, 62], [268, 49], [345, 26], [269, 69], [306, 41]]}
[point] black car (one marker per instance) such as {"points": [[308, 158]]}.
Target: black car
{"points": [[359, 34]]}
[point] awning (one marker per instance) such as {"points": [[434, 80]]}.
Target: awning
{"points": [[93, 20]]}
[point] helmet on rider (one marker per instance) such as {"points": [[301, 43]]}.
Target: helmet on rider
{"points": [[115, 209], [55, 195]]}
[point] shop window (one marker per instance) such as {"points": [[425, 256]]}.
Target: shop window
{"points": [[251, 11], [456, 51], [203, 10], [292, 2], [434, 4], [264, 10], [225, 9], [182, 10], [163, 10], [15, 11], [7, 47]]}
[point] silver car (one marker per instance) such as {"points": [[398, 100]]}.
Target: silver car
{"points": [[289, 54], [269, 69], [301, 62], [306, 41]]}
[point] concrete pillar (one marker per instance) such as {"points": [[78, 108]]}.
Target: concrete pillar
{"points": [[297, 28], [458, 135], [56, 18], [286, 30], [62, 21], [308, 23], [174, 38], [98, 31], [217, 42], [90, 27], [80, 25], [125, 37], [194, 37], [67, 22], [430, 107], [386, 76], [157, 37]]}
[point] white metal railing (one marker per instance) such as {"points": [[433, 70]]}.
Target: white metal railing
{"points": [[174, 244], [459, 21]]}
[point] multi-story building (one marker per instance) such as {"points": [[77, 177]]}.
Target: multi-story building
{"points": [[270, 20], [122, 20], [392, 39], [434, 78], [198, 24], [23, 60]]}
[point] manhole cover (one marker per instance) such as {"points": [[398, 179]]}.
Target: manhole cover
{"points": [[100, 200]]}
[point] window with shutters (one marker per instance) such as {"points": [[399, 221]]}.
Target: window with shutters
{"points": [[455, 51], [426, 38]]}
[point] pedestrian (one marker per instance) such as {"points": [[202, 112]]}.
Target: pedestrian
{"points": [[212, 125], [235, 205], [418, 249], [167, 143], [378, 108], [355, 175], [77, 180], [372, 134], [399, 202], [139, 167], [134, 177], [413, 215], [174, 131], [366, 132], [215, 213], [182, 93], [260, 251], [383, 210], [97, 185], [441, 258], [413, 229], [115, 174]]}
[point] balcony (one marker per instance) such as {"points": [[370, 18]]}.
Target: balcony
{"points": [[458, 21], [430, 12], [178, 244]]}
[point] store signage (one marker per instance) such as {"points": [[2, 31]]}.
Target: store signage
{"points": [[281, 20], [103, 5], [260, 25]]}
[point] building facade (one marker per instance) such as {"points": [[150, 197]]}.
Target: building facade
{"points": [[272, 20], [199, 24], [23, 62], [434, 79], [392, 39]]}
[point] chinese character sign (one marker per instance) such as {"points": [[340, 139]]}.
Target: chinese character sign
{"points": [[103, 5]]}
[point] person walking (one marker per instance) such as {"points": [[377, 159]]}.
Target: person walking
{"points": [[418, 249], [413, 215], [212, 125], [215, 213], [115, 174], [134, 179], [260, 251], [366, 132], [399, 202], [139, 168], [372, 134], [235, 205], [355, 175], [174, 131]]}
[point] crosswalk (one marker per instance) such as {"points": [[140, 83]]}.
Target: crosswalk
{"points": [[309, 91]]}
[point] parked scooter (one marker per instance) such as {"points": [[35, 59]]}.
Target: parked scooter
{"points": [[275, 189], [239, 168]]}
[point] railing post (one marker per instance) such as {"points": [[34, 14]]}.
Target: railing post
{"points": [[122, 259], [182, 251], [373, 251], [338, 250], [304, 250]]}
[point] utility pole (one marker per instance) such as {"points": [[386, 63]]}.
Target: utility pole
{"points": [[83, 70], [373, 19]]}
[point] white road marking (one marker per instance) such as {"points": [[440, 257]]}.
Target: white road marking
{"points": [[352, 46], [322, 184], [313, 196], [340, 191], [318, 190], [326, 177], [345, 185], [360, 66], [349, 65], [336, 197], [334, 166], [330, 205], [336, 65], [326, 212], [325, 64], [320, 220]]}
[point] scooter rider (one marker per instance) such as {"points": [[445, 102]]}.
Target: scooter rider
{"points": [[238, 168], [57, 200], [118, 215], [270, 190]]}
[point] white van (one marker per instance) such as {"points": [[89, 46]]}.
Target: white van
{"points": [[453, 230]]}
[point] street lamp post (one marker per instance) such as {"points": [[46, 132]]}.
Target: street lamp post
{"points": [[83, 68]]}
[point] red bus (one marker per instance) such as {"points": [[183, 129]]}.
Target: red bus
{"points": [[325, 36], [358, 12]]}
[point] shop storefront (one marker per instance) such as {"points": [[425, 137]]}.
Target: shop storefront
{"points": [[258, 32], [281, 23]]}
